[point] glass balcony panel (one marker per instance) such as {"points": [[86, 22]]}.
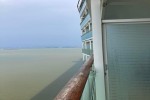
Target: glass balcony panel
{"points": [[87, 51], [89, 92], [86, 35], [85, 21]]}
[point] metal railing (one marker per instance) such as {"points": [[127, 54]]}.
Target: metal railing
{"points": [[75, 87]]}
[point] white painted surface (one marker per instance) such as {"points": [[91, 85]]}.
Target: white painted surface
{"points": [[88, 39], [127, 20], [96, 9]]}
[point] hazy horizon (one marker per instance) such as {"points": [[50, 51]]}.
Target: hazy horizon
{"points": [[15, 48]]}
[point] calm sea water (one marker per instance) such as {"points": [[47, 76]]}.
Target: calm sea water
{"points": [[25, 73]]}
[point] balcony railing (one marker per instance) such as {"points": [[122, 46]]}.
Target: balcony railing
{"points": [[75, 87], [86, 35], [80, 4], [85, 20], [82, 8], [87, 51]]}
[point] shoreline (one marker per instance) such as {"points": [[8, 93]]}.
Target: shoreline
{"points": [[41, 48]]}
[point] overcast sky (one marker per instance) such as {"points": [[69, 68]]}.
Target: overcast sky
{"points": [[39, 23]]}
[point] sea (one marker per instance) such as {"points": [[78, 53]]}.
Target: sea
{"points": [[36, 74]]}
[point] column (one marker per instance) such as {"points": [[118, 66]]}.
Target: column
{"points": [[89, 26], [96, 9]]}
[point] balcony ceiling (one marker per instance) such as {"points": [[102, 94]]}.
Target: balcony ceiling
{"points": [[128, 1]]}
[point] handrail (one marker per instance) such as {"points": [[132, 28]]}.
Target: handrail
{"points": [[74, 88]]}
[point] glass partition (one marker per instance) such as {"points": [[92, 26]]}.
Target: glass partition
{"points": [[128, 55]]}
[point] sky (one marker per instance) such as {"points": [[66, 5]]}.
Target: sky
{"points": [[39, 23]]}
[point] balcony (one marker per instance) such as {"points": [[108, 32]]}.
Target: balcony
{"points": [[86, 35], [82, 8], [80, 4], [87, 51], [85, 20]]}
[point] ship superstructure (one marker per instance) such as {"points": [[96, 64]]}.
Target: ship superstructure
{"points": [[86, 29]]}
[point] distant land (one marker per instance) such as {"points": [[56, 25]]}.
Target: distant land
{"points": [[15, 48]]}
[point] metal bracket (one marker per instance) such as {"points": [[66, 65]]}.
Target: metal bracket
{"points": [[105, 69], [105, 4]]}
